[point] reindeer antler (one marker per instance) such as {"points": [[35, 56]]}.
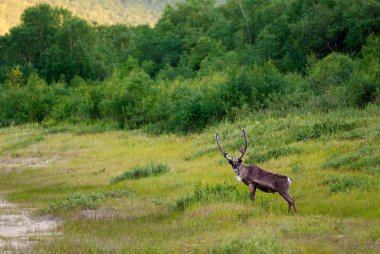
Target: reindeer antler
{"points": [[243, 149], [220, 148]]}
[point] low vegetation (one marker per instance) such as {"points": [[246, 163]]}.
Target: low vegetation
{"points": [[206, 194], [346, 183], [199, 206], [142, 171], [82, 201], [365, 158]]}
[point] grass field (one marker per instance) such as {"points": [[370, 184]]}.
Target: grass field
{"points": [[180, 194]]}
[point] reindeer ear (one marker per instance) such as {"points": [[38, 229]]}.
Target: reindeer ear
{"points": [[240, 161], [230, 162]]}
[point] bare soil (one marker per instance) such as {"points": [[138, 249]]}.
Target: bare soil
{"points": [[19, 229]]}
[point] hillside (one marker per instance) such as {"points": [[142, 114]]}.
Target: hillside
{"points": [[100, 11]]}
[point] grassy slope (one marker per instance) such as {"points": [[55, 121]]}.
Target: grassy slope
{"points": [[333, 159], [102, 11]]}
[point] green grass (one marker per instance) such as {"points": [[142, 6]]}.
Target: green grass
{"points": [[365, 158], [207, 193], [82, 201], [141, 172], [199, 206], [346, 183]]}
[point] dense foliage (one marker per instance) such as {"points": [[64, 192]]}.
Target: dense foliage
{"points": [[201, 63]]}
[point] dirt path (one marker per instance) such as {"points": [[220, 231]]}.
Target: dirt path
{"points": [[18, 229]]}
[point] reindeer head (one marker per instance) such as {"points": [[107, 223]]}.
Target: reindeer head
{"points": [[235, 163]]}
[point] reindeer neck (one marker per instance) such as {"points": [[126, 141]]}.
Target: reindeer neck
{"points": [[242, 173]]}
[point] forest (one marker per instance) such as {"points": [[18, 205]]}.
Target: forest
{"points": [[201, 63]]}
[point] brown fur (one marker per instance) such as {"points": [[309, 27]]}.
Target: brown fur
{"points": [[257, 178]]}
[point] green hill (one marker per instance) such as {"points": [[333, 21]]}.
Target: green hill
{"points": [[100, 11]]}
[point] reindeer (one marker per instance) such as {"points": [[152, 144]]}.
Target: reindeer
{"points": [[258, 178]]}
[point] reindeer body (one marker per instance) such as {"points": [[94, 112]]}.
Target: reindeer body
{"points": [[263, 180], [258, 178]]}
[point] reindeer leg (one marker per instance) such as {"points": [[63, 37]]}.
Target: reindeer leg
{"points": [[252, 189], [294, 205], [290, 201]]}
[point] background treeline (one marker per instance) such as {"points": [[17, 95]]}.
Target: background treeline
{"points": [[201, 63]]}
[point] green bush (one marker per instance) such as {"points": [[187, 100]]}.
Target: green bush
{"points": [[333, 70], [127, 99], [141, 172], [365, 84], [38, 99], [12, 108]]}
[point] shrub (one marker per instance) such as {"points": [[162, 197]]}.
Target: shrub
{"points": [[12, 108], [333, 70], [141, 172], [127, 100], [365, 84], [38, 99]]}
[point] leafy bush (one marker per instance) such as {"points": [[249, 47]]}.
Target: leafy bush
{"points": [[141, 172], [38, 99], [203, 194], [333, 70], [365, 84], [11, 106]]}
